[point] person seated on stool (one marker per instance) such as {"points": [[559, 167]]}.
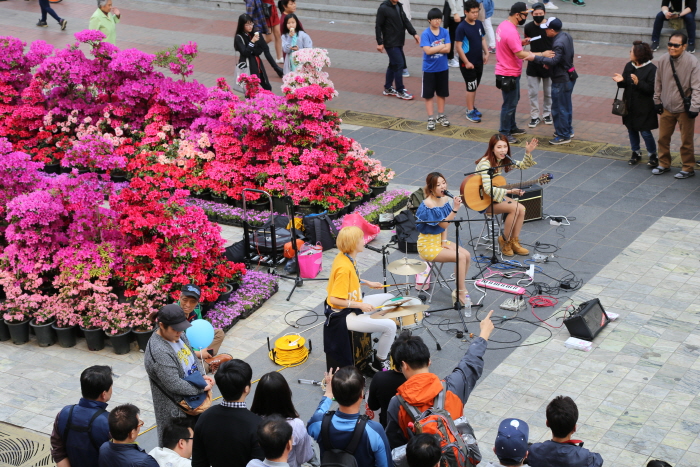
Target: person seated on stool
{"points": [[189, 302], [432, 241], [346, 309], [498, 153]]}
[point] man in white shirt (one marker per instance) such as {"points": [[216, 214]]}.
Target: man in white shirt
{"points": [[177, 445]]}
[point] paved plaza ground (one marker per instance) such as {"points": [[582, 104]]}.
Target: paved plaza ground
{"points": [[634, 243]]}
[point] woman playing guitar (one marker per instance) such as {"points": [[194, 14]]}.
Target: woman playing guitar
{"points": [[497, 154]]}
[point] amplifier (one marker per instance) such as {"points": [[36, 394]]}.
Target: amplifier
{"points": [[532, 201], [587, 321], [362, 352]]}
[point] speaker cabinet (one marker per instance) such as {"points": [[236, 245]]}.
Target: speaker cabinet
{"points": [[532, 201], [587, 321], [361, 343]]}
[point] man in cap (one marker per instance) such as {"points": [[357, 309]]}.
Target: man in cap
{"points": [[536, 72], [189, 301], [173, 370], [509, 67], [511, 443], [563, 79]]}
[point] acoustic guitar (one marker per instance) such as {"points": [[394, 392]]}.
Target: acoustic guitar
{"points": [[478, 199]]}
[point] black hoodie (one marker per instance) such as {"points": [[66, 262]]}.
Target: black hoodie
{"points": [[391, 24]]}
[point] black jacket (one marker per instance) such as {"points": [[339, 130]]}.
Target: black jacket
{"points": [[563, 47], [226, 437], [542, 44], [639, 97], [391, 24], [252, 52]]}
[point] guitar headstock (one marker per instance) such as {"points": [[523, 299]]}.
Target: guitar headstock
{"points": [[545, 178]]}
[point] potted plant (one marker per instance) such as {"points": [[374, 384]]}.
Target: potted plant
{"points": [[117, 326], [41, 323], [94, 335], [18, 308], [150, 298], [380, 179], [66, 324], [17, 320]]}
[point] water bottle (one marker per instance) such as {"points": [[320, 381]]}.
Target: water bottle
{"points": [[467, 307]]}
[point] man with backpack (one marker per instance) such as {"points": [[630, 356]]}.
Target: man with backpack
{"points": [[423, 390], [345, 438]]}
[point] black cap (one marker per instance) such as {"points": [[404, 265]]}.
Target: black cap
{"points": [[191, 290], [552, 23], [539, 6], [172, 315], [518, 7]]}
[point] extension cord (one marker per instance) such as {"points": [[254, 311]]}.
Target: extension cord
{"points": [[514, 304]]}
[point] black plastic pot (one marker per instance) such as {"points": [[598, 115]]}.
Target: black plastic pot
{"points": [[45, 335], [367, 197], [66, 170], [4, 331], [226, 295], [304, 209], [378, 190], [19, 332], [354, 204], [259, 206], [117, 178], [278, 205], [67, 337], [142, 338], [95, 338], [52, 168], [121, 343]]}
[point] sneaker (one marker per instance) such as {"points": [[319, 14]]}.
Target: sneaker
{"points": [[381, 365], [534, 122], [472, 116], [405, 73], [691, 48], [653, 161], [477, 113], [492, 50], [550, 6], [548, 120], [512, 139], [42, 24], [454, 63], [654, 46], [390, 91], [442, 120], [660, 170], [636, 157], [431, 124], [556, 135], [559, 140], [579, 3], [517, 131], [683, 174], [404, 95], [280, 60], [63, 24]]}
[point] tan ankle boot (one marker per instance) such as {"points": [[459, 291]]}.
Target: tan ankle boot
{"points": [[506, 249], [517, 248]]}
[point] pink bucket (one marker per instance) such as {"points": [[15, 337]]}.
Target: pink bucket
{"points": [[310, 260]]}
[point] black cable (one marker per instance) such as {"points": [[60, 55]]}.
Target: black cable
{"points": [[297, 323]]}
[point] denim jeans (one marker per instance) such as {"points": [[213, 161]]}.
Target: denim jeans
{"points": [[46, 8], [689, 20], [394, 72], [510, 103], [648, 140], [562, 110]]}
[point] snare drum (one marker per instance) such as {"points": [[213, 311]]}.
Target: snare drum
{"points": [[411, 321]]}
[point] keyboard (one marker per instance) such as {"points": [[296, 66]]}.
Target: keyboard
{"points": [[500, 286]]}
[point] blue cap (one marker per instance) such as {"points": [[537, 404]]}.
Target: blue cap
{"points": [[511, 440]]}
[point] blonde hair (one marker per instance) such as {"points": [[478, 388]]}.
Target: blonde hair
{"points": [[348, 238]]}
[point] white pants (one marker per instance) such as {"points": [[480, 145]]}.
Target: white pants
{"points": [[365, 323], [490, 36], [533, 89]]}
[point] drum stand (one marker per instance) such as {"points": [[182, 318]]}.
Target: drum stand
{"points": [[420, 324]]}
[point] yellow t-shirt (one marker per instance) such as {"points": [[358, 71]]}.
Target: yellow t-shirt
{"points": [[343, 282]]}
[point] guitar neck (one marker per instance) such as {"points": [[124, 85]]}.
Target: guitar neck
{"points": [[518, 185]]}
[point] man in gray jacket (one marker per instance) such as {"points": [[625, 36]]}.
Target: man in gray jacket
{"points": [[670, 103]]}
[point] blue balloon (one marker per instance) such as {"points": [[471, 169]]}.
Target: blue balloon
{"points": [[200, 334]]}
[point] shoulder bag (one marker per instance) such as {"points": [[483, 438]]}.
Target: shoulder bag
{"points": [[619, 106], [241, 68], [686, 99]]}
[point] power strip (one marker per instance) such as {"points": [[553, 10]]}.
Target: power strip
{"points": [[514, 304]]}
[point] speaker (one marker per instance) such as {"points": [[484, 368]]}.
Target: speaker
{"points": [[587, 321], [361, 343], [532, 201]]}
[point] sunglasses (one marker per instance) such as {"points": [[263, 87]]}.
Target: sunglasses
{"points": [[674, 46]]}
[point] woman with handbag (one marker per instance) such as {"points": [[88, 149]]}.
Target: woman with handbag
{"points": [[637, 105], [178, 385], [251, 47]]}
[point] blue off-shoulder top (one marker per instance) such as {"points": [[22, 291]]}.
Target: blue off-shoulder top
{"points": [[432, 215]]}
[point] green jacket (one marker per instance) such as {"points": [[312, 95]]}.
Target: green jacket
{"points": [[105, 23]]}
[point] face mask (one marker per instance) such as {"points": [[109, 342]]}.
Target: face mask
{"points": [[538, 19], [521, 22]]}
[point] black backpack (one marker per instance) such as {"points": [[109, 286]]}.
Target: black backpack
{"points": [[406, 233], [320, 229], [340, 457]]}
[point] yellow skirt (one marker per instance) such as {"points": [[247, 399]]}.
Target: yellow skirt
{"points": [[430, 245]]}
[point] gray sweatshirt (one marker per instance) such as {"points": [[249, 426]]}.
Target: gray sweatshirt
{"points": [[666, 89]]}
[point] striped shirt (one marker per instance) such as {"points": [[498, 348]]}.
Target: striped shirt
{"points": [[499, 193]]}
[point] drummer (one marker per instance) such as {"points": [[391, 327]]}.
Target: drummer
{"points": [[432, 241], [347, 310]]}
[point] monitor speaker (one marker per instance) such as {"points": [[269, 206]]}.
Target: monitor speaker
{"points": [[532, 201], [587, 321]]}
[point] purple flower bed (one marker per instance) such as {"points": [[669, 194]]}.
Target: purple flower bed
{"points": [[255, 289], [389, 201], [231, 215]]}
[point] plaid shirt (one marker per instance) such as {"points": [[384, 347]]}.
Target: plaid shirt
{"points": [[255, 9], [234, 405]]}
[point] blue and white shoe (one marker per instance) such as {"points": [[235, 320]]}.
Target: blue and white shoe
{"points": [[472, 116], [477, 113]]}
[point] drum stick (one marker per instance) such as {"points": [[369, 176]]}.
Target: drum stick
{"points": [[393, 285]]}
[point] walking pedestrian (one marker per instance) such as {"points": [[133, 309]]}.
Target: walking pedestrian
{"points": [[46, 9], [293, 38], [250, 48], [389, 28], [105, 19], [637, 79]]}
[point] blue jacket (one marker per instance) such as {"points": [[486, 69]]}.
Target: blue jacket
{"points": [[374, 447], [125, 455], [488, 7], [82, 448], [551, 454]]}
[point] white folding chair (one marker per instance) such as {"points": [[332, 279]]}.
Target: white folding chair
{"points": [[435, 278]]}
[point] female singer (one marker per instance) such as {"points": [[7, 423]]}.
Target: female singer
{"points": [[432, 240], [345, 301], [498, 153]]}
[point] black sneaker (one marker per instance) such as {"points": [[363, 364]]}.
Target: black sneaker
{"points": [[636, 157], [691, 48], [381, 365], [512, 139], [42, 24], [579, 3], [548, 120], [64, 23], [517, 131], [560, 140], [654, 46], [653, 161], [534, 122]]}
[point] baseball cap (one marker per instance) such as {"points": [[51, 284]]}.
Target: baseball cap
{"points": [[173, 316], [552, 23], [511, 440], [190, 290], [539, 6], [518, 7]]}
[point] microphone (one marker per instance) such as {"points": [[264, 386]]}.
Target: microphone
{"points": [[373, 248], [447, 193]]}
